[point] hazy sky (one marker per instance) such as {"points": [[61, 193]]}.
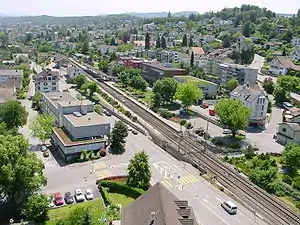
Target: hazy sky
{"points": [[96, 7]]}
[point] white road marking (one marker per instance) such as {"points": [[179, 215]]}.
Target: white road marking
{"points": [[218, 199], [237, 220], [120, 165], [205, 200], [177, 167]]}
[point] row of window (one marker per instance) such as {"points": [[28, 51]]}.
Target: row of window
{"points": [[46, 83]]}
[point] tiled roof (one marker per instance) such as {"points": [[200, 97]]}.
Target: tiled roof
{"points": [[250, 93], [158, 206], [197, 50]]}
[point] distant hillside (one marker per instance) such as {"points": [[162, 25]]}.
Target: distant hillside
{"points": [[284, 14], [161, 14]]}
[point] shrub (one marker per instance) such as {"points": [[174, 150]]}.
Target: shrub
{"points": [[234, 145], [182, 122], [105, 195], [134, 119], [188, 125], [217, 142], [127, 113], [297, 205], [226, 158], [121, 188], [165, 113], [296, 183], [287, 179], [103, 152]]}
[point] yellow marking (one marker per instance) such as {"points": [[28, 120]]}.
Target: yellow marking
{"points": [[99, 166], [166, 183], [103, 174], [188, 179]]}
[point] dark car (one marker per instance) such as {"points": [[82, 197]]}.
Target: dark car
{"points": [[134, 132], [69, 198]]}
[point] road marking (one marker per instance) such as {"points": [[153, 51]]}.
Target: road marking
{"points": [[99, 166], [237, 220], [166, 183], [188, 179], [104, 174], [224, 221], [218, 199], [119, 165], [205, 200]]}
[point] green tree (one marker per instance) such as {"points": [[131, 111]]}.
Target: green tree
{"points": [[248, 29], [191, 43], [188, 94], [36, 208], [269, 85], [42, 126], [157, 43], [280, 95], [13, 114], [147, 41], [139, 83], [79, 216], [184, 41], [103, 65], [36, 101], [21, 171], [288, 83], [263, 177], [91, 87], [79, 80], [291, 158], [139, 173], [85, 48], [192, 60], [233, 114], [163, 42], [231, 84], [124, 78], [118, 135], [165, 89]]}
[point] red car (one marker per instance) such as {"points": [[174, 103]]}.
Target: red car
{"points": [[58, 199]]}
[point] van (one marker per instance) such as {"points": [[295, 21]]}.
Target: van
{"points": [[230, 207]]}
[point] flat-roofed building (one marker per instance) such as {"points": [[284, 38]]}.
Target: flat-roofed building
{"points": [[10, 82]]}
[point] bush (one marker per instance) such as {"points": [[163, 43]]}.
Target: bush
{"points": [[182, 122], [234, 145], [226, 158], [103, 152], [105, 195], [287, 179], [165, 113], [296, 183], [297, 205], [127, 113], [121, 188], [134, 119], [188, 125], [217, 141]]}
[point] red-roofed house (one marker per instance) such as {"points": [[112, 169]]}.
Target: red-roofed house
{"points": [[198, 50]]}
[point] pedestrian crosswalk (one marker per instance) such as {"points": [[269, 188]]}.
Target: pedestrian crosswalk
{"points": [[103, 174], [99, 166], [189, 179]]}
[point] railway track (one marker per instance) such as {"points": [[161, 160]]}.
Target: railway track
{"points": [[272, 209]]}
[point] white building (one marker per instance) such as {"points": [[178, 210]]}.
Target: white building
{"points": [[254, 98], [47, 81], [281, 65], [73, 71], [296, 41], [295, 56], [170, 56]]}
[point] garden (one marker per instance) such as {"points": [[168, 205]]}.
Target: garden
{"points": [[277, 174]]}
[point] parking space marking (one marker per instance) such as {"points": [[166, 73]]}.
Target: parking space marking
{"points": [[99, 166], [167, 184], [104, 174]]}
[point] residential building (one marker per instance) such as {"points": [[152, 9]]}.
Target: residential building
{"points": [[61, 62], [255, 99], [46, 81], [209, 89], [244, 74], [290, 131], [10, 82], [73, 71], [42, 56], [130, 61], [296, 41], [295, 56], [281, 65], [64, 45], [170, 57], [158, 206], [78, 126], [153, 71], [197, 51], [210, 63]]}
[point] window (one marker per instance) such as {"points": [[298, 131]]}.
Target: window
{"points": [[262, 107], [53, 83], [284, 129], [45, 83], [261, 114], [53, 88]]}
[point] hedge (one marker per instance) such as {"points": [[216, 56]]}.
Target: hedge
{"points": [[105, 195], [119, 178], [121, 188]]}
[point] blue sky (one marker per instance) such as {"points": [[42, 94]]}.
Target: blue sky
{"points": [[96, 7]]}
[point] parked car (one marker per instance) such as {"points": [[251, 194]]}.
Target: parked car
{"points": [[287, 105], [79, 196], [44, 148], [241, 133], [107, 113], [69, 198], [129, 128], [134, 132], [89, 194], [58, 199], [226, 131], [230, 207], [204, 105], [199, 131]]}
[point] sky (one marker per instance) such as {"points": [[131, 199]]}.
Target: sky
{"points": [[98, 7]]}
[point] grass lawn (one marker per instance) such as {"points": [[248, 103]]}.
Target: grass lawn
{"points": [[117, 198], [194, 80], [96, 208]]}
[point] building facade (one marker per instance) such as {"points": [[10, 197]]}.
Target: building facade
{"points": [[290, 131], [255, 99], [73, 71], [10, 83], [46, 81]]}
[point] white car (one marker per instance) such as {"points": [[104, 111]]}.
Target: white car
{"points": [[227, 131], [89, 194], [230, 207], [79, 196]]}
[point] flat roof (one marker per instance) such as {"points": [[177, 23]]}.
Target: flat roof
{"points": [[89, 119], [67, 140], [64, 99], [160, 66], [194, 80]]}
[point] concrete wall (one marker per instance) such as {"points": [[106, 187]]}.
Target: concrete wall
{"points": [[250, 75]]}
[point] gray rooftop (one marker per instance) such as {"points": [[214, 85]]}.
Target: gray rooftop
{"points": [[250, 92], [294, 126], [64, 99], [11, 72], [160, 66], [89, 119]]}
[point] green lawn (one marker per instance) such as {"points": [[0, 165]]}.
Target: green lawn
{"points": [[96, 208], [194, 80], [117, 198]]}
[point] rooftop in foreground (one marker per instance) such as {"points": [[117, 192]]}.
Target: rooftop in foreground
{"points": [[64, 98], [89, 119], [194, 80]]}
